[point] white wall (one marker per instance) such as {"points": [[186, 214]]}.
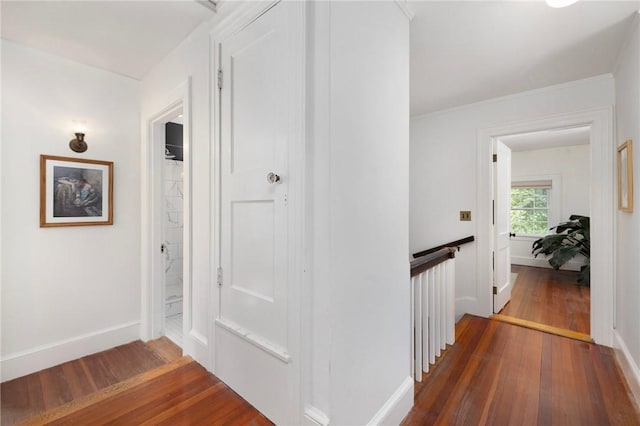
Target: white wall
{"points": [[569, 166], [68, 291], [444, 166], [627, 91], [361, 210]]}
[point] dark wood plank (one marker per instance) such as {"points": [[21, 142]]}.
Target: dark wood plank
{"points": [[550, 297], [165, 348], [502, 374], [35, 393]]}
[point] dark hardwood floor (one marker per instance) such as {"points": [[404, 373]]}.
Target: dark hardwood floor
{"points": [[35, 393], [131, 384], [495, 374], [502, 374], [550, 297]]}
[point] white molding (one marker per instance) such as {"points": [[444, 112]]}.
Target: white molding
{"points": [[397, 406], [628, 365], [602, 207], [406, 10], [571, 265], [553, 88], [314, 417], [272, 349], [176, 99], [35, 359]]}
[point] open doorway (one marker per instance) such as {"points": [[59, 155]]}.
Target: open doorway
{"points": [[549, 181], [172, 246]]}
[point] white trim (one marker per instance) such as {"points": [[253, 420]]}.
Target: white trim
{"points": [[571, 265], [314, 417], [35, 359], [628, 365], [178, 99], [601, 206], [272, 349], [397, 406], [406, 10], [553, 88]]}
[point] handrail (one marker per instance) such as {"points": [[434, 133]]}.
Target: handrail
{"points": [[456, 243], [432, 259]]}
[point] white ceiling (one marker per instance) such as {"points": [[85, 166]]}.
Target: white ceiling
{"points": [[461, 51], [464, 52], [548, 139], [125, 37]]}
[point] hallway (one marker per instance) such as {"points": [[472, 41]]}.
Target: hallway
{"points": [[550, 297], [501, 374]]}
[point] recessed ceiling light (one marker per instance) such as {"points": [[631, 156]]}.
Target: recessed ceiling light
{"points": [[560, 3]]}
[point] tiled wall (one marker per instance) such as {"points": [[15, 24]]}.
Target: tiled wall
{"points": [[173, 226]]}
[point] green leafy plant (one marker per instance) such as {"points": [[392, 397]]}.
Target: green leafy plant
{"points": [[571, 237]]}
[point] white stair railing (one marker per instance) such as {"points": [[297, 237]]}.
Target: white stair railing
{"points": [[432, 308]]}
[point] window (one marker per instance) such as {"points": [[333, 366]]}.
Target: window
{"points": [[530, 208]]}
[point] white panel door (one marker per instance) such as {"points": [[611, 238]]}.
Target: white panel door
{"points": [[257, 129], [502, 227]]}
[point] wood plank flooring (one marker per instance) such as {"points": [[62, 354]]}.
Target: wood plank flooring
{"points": [[35, 393], [502, 374], [550, 297], [133, 384]]}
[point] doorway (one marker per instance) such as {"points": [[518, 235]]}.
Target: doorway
{"points": [[167, 306], [600, 121], [549, 182], [172, 246]]}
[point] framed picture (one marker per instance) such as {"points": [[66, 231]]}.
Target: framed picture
{"points": [[625, 177], [75, 191]]}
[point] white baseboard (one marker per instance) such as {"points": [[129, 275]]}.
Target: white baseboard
{"points": [[35, 359], [627, 365], [397, 406], [314, 417], [195, 345], [544, 263]]}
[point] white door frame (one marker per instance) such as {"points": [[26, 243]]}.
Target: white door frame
{"points": [[242, 16], [602, 208], [152, 157]]}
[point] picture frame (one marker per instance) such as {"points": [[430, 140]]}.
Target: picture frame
{"points": [[75, 192], [625, 177]]}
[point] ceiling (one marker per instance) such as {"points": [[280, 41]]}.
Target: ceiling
{"points": [[125, 37], [461, 52], [548, 139], [464, 52]]}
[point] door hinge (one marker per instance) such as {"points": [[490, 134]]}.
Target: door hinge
{"points": [[495, 158], [493, 212], [220, 79], [495, 290], [493, 260], [219, 279]]}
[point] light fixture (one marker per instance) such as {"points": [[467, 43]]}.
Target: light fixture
{"points": [[78, 144], [560, 3]]}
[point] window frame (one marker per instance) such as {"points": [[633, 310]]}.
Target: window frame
{"points": [[554, 207]]}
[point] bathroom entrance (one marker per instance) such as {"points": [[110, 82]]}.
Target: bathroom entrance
{"points": [[172, 246]]}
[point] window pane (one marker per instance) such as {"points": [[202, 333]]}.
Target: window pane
{"points": [[541, 197], [529, 211]]}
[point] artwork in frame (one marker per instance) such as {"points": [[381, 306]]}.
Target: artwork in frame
{"points": [[625, 177], [75, 191]]}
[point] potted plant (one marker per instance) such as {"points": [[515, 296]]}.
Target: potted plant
{"points": [[571, 237]]}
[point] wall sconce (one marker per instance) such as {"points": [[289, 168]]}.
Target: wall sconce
{"points": [[78, 144]]}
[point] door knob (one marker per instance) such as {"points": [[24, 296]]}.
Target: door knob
{"points": [[273, 178]]}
